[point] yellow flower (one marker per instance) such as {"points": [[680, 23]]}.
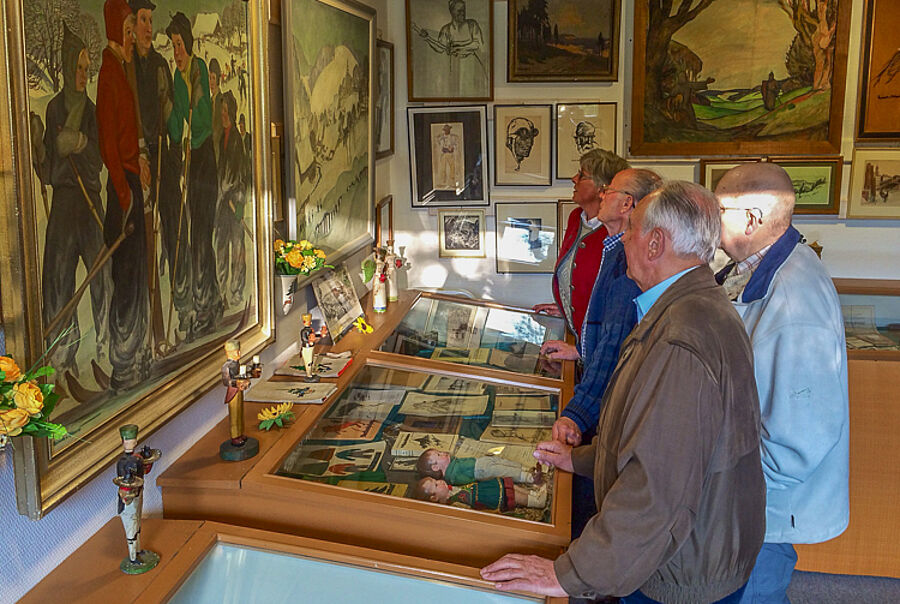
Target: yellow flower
{"points": [[306, 245], [8, 365], [294, 258], [319, 254], [28, 397], [309, 263], [12, 421], [274, 412], [279, 245]]}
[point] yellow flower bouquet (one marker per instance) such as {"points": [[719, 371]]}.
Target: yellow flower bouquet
{"points": [[298, 258], [26, 405]]}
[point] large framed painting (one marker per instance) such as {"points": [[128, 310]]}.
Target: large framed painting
{"points": [[384, 101], [563, 41], [582, 127], [450, 50], [817, 183], [523, 143], [448, 155], [128, 265], [527, 236], [710, 80], [329, 85], [875, 184], [879, 89]]}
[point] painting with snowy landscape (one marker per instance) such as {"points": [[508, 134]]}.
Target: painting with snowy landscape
{"points": [[329, 75]]}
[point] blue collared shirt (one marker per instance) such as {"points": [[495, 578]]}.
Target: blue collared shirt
{"points": [[646, 300]]}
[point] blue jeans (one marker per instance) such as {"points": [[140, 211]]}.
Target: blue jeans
{"points": [[771, 576], [639, 598]]}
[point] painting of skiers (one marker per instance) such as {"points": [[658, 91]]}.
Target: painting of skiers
{"points": [[875, 184], [329, 151], [522, 143], [144, 206], [581, 127], [768, 75], [879, 100], [563, 40], [449, 49]]}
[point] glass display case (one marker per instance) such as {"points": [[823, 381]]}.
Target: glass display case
{"points": [[871, 310]]}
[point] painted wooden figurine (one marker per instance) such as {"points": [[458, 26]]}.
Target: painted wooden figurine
{"points": [[131, 468], [308, 340], [236, 379]]}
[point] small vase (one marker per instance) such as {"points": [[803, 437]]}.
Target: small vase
{"points": [[288, 285]]}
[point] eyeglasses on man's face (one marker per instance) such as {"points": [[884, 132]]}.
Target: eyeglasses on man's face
{"points": [[608, 189], [752, 213]]}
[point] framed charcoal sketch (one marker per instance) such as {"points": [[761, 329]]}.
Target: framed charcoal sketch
{"points": [[709, 80], [448, 155], [449, 50], [461, 233], [879, 89], [526, 237], [875, 184], [563, 41], [130, 300], [523, 143], [384, 101], [581, 127]]}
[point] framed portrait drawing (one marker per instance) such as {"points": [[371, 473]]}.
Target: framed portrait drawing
{"points": [[448, 155], [102, 272], [875, 184], [523, 141], [780, 91], [581, 127], [329, 86], [879, 88], [461, 233], [817, 183], [450, 50], [564, 207], [384, 100], [563, 41], [527, 236], [712, 170], [337, 300], [384, 221]]}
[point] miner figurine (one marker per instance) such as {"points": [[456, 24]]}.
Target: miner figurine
{"points": [[131, 468], [236, 378]]}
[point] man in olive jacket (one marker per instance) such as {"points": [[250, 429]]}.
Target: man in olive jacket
{"points": [[676, 466]]}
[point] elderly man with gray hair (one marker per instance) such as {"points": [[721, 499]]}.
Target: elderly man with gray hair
{"points": [[676, 464]]}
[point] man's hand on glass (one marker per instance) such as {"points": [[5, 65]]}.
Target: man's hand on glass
{"points": [[559, 351], [566, 431]]}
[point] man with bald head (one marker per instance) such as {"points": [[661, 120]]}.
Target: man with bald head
{"points": [[792, 313]]}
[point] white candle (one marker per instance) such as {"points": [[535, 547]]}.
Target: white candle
{"points": [[243, 370], [256, 359]]}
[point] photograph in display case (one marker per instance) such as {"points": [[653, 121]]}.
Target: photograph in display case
{"points": [[384, 100], [523, 143], [461, 233], [526, 237], [875, 184], [581, 127], [338, 301], [428, 405], [879, 86]]}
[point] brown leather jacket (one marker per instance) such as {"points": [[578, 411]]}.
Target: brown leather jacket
{"points": [[676, 465]]}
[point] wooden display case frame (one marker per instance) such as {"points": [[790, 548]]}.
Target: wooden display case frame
{"points": [[249, 493]]}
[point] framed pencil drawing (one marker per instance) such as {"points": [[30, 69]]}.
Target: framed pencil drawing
{"points": [[384, 101], [581, 127], [449, 50], [526, 237], [523, 143], [461, 233], [879, 88], [817, 183], [709, 80], [563, 41], [137, 263], [875, 184], [329, 84]]}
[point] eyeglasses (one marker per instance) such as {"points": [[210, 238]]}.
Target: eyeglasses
{"points": [[604, 189], [752, 213]]}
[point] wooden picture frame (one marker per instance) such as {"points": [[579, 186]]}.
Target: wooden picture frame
{"points": [[174, 370], [384, 101], [461, 233], [711, 169], [564, 208], [705, 102], [532, 58], [448, 156], [384, 217], [875, 184], [581, 127], [879, 99], [330, 140], [817, 183], [523, 145], [434, 73], [527, 237]]}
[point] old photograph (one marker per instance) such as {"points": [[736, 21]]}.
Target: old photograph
{"points": [[875, 184], [526, 237], [444, 384], [419, 403]]}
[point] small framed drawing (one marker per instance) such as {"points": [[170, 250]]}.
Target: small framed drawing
{"points": [[522, 144], [879, 88], [526, 237], [384, 221], [712, 170], [461, 233], [337, 300], [875, 184], [448, 155], [564, 208], [450, 50], [581, 127], [817, 183], [384, 100]]}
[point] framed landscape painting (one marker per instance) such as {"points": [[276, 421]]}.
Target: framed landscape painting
{"points": [[879, 88], [527, 236], [523, 143], [128, 276], [875, 184], [817, 183], [581, 127], [329, 84], [709, 80], [563, 41]]}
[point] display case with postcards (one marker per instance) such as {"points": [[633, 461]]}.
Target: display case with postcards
{"points": [[871, 310]]}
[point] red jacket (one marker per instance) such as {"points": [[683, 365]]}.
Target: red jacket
{"points": [[585, 267], [117, 125]]}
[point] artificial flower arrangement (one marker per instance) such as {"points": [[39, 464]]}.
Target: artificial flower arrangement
{"points": [[25, 404], [275, 416], [293, 258]]}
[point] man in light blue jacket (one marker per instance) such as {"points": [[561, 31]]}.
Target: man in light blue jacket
{"points": [[793, 316]]}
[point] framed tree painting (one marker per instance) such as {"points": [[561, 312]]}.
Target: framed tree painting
{"points": [[563, 41], [461, 233], [581, 127], [817, 183], [709, 80], [875, 184], [527, 236], [523, 141], [449, 50], [136, 264], [329, 83], [384, 101], [448, 155], [879, 89]]}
